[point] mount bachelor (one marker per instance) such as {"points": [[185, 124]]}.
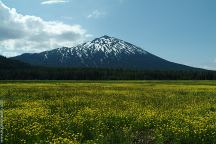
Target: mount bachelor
{"points": [[103, 52]]}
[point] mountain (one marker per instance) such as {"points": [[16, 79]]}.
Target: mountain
{"points": [[103, 52], [6, 63]]}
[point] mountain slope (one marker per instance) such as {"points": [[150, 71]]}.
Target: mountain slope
{"points": [[103, 52], [6, 63]]}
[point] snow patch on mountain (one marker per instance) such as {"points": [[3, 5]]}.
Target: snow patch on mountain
{"points": [[105, 44]]}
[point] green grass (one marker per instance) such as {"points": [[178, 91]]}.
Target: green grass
{"points": [[109, 112]]}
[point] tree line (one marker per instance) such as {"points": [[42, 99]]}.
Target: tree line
{"points": [[41, 73]]}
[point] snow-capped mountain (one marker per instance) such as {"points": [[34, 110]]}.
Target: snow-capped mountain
{"points": [[103, 52]]}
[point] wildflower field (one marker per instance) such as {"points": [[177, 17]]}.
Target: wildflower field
{"points": [[109, 112]]}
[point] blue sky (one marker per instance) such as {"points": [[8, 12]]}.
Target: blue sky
{"points": [[182, 31]]}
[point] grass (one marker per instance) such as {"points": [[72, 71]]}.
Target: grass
{"points": [[109, 112]]}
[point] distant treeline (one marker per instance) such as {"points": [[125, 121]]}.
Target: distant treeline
{"points": [[102, 74]]}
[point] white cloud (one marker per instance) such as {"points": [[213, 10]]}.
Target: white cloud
{"points": [[23, 33], [53, 2], [68, 17], [96, 14]]}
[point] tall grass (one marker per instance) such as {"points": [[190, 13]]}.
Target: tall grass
{"points": [[109, 112]]}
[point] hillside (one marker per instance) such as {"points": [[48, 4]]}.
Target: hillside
{"points": [[6, 63]]}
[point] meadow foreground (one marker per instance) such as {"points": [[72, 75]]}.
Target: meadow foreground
{"points": [[109, 112]]}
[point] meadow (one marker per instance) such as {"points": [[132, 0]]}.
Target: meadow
{"points": [[109, 112]]}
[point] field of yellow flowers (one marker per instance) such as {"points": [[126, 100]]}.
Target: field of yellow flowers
{"points": [[109, 112]]}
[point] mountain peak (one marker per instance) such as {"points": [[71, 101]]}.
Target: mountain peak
{"points": [[103, 52], [111, 45]]}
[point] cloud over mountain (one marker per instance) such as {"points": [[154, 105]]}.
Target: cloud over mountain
{"points": [[96, 14], [53, 2], [24, 33]]}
